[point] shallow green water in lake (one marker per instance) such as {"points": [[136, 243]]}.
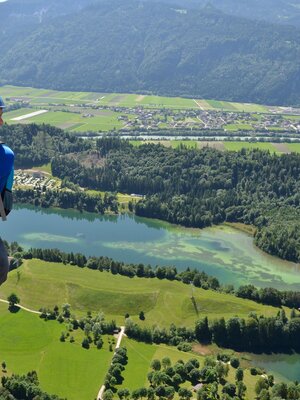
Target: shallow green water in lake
{"points": [[223, 252], [284, 367]]}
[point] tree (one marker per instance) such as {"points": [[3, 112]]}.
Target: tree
{"points": [[202, 331], [260, 385], [3, 364], [185, 394], [108, 395], [241, 389], [234, 362], [12, 299], [239, 375], [142, 316], [66, 310], [230, 389], [85, 343], [166, 362], [156, 365]]}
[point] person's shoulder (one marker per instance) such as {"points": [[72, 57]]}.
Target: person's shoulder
{"points": [[7, 149]]}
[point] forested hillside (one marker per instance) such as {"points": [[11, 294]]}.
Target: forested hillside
{"points": [[134, 46], [278, 11], [198, 188]]}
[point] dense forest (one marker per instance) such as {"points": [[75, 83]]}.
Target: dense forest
{"points": [[25, 387], [134, 46], [198, 188], [35, 145]]}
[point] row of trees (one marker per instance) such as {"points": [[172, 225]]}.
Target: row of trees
{"points": [[199, 188], [114, 375], [268, 296], [255, 334], [79, 200]]}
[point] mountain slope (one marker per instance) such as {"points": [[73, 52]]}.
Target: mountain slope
{"points": [[277, 11], [133, 46]]}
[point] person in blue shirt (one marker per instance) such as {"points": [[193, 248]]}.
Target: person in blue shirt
{"points": [[6, 183]]}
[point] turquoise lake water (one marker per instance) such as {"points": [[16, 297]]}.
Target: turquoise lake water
{"points": [[223, 252]]}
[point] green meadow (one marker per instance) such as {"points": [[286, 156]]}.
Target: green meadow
{"points": [[43, 284], [39, 97], [236, 146], [28, 343], [225, 145], [73, 122], [294, 147]]}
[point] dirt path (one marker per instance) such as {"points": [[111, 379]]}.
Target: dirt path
{"points": [[199, 105], [22, 307], [120, 337]]}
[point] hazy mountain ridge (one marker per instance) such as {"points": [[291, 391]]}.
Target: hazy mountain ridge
{"points": [[277, 11], [134, 46]]}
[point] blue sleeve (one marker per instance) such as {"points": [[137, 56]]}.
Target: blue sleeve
{"points": [[10, 179], [6, 166]]}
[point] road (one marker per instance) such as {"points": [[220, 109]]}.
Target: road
{"points": [[120, 337], [22, 307]]}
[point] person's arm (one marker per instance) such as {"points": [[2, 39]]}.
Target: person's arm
{"points": [[4, 264]]}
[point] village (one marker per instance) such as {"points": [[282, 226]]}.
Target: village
{"points": [[141, 118], [34, 179]]}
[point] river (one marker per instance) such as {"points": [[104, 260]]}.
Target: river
{"points": [[224, 252]]}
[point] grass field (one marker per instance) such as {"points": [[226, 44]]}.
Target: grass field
{"points": [[226, 145], [140, 356], [238, 127], [28, 343], [43, 96], [294, 147], [236, 146], [73, 122], [43, 284]]}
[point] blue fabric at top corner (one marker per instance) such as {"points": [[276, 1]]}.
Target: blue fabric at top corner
{"points": [[6, 167]]}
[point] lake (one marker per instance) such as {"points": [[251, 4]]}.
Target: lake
{"points": [[284, 367], [224, 252]]}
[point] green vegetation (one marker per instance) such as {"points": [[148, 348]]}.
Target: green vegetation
{"points": [[39, 97], [294, 147], [164, 302], [25, 385], [146, 361], [63, 368], [237, 146]]}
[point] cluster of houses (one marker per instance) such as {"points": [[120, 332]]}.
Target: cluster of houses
{"points": [[34, 179], [139, 117]]}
